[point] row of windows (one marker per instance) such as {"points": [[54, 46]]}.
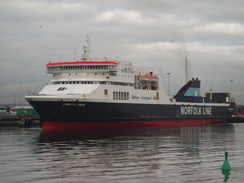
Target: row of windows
{"points": [[120, 95], [93, 82], [81, 67], [70, 74]]}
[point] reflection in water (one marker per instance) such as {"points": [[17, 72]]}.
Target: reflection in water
{"points": [[141, 154]]}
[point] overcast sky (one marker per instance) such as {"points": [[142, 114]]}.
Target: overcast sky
{"points": [[151, 33]]}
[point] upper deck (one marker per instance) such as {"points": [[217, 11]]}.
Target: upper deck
{"points": [[82, 66]]}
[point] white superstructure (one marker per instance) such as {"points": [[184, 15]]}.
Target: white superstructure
{"points": [[104, 81]]}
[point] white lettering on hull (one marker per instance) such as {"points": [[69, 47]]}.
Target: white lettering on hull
{"points": [[195, 110]]}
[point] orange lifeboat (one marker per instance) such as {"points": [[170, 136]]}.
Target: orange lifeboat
{"points": [[148, 76]]}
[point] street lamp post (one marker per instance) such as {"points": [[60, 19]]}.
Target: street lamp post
{"points": [[14, 97], [231, 95], [168, 83], [20, 100]]}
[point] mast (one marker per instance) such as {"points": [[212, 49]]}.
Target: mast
{"points": [[186, 69], [86, 49], [74, 53]]}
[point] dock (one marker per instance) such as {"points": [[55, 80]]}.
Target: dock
{"points": [[20, 121], [236, 119]]}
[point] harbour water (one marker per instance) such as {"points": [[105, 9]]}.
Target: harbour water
{"points": [[179, 154]]}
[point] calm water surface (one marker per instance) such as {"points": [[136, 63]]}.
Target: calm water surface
{"points": [[179, 154]]}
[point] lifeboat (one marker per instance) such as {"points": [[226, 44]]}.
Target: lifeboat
{"points": [[148, 77]]}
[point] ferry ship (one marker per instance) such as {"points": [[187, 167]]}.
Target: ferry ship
{"points": [[104, 93]]}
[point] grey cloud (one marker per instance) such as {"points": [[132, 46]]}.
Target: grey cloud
{"points": [[149, 33]]}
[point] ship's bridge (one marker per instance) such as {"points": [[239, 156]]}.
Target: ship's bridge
{"points": [[82, 66]]}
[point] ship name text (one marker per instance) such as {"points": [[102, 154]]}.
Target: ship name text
{"points": [[195, 110]]}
